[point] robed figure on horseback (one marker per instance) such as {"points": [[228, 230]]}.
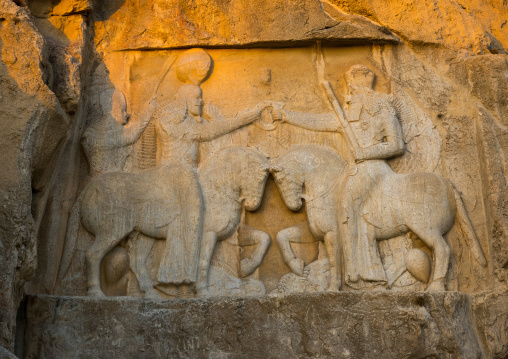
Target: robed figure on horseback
{"points": [[373, 133]]}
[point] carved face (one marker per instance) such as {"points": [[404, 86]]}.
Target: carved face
{"points": [[119, 108], [113, 104], [360, 76], [195, 105], [193, 97], [290, 187], [254, 189]]}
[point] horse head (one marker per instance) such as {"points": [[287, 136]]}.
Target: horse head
{"points": [[253, 179], [289, 180]]}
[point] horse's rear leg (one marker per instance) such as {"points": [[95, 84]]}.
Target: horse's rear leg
{"points": [[205, 257], [248, 236], [332, 248], [284, 237], [94, 256], [435, 241]]}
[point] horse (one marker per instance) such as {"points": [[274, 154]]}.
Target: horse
{"points": [[313, 173], [151, 202], [228, 178], [424, 203]]}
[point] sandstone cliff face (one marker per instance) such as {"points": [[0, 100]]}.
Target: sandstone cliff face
{"points": [[57, 56], [33, 126]]}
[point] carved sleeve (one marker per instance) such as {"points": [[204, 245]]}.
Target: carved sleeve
{"points": [[219, 127], [326, 122], [134, 129], [392, 141]]}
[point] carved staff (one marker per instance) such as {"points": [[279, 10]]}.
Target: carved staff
{"points": [[330, 95]]}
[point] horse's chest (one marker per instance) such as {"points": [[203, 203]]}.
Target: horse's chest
{"points": [[321, 219], [222, 216]]}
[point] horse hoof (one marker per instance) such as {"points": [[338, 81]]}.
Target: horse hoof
{"points": [[297, 265], [436, 287], [95, 292]]}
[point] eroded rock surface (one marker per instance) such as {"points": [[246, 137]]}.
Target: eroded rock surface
{"points": [[128, 126], [342, 325]]}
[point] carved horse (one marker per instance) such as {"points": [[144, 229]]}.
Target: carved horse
{"points": [[312, 173], [116, 204], [229, 178], [424, 203]]}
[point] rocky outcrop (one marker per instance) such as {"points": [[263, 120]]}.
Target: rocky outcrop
{"points": [[33, 128], [342, 325]]}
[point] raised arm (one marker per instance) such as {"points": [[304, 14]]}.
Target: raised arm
{"points": [[133, 130], [326, 122]]}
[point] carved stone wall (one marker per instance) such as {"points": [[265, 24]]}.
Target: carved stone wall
{"points": [[176, 150]]}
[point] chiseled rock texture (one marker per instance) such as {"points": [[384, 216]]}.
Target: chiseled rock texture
{"points": [[491, 314], [449, 54], [342, 325]]}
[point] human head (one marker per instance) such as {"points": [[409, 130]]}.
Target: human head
{"points": [[192, 97], [193, 66], [113, 103], [360, 76]]}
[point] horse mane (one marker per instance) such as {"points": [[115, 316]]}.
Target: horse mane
{"points": [[324, 151]]}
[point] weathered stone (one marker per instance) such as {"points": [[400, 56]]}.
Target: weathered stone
{"points": [[490, 311], [5, 354], [316, 145], [460, 25], [342, 325], [232, 23], [33, 126]]}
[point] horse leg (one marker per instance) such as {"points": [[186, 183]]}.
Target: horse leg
{"points": [[284, 237], [205, 257], [141, 247], [94, 256], [435, 241], [248, 236], [332, 248]]}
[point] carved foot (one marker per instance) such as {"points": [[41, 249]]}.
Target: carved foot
{"points": [[95, 292], [333, 287], [436, 286], [247, 267], [297, 265]]}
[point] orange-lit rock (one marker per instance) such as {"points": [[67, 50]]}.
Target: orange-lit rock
{"points": [[193, 149]]}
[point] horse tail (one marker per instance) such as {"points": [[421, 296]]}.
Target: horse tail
{"points": [[468, 230], [71, 237]]}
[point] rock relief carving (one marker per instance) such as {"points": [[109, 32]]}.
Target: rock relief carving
{"points": [[312, 173], [115, 204], [106, 143], [349, 206], [107, 146], [168, 200], [374, 203]]}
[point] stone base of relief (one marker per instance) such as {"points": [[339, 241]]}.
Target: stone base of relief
{"points": [[291, 176], [338, 325]]}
